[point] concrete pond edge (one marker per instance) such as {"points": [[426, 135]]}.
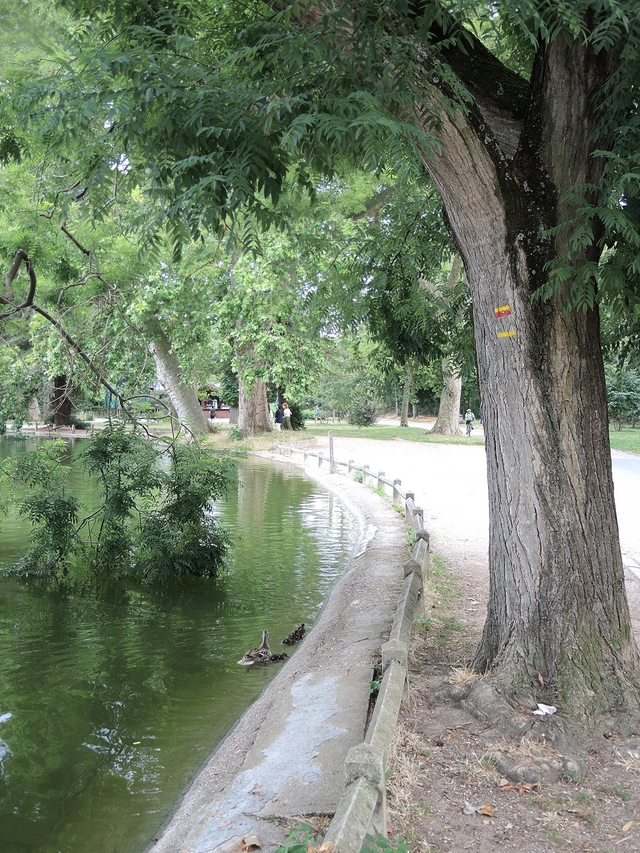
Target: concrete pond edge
{"points": [[304, 746], [362, 809]]}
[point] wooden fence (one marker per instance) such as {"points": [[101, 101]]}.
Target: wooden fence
{"points": [[363, 805]]}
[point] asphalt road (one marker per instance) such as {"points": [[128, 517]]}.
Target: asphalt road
{"points": [[626, 478]]}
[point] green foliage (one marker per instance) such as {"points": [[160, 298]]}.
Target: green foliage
{"points": [[623, 394], [379, 843], [297, 416], [128, 472], [229, 389], [154, 520], [182, 537], [38, 490], [299, 840], [363, 412]]}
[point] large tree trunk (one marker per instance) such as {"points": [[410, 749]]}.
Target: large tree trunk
{"points": [[253, 414], [406, 393], [448, 420], [61, 401], [183, 397], [557, 614]]}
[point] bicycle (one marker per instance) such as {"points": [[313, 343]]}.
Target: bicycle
{"points": [[469, 427]]}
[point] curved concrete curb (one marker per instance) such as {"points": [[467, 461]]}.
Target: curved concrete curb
{"points": [[362, 808], [285, 758]]}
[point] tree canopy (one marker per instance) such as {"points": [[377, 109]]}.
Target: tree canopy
{"points": [[524, 115]]}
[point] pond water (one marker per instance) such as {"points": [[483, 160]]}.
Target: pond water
{"points": [[111, 700]]}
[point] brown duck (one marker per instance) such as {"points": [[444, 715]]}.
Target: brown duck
{"points": [[261, 654], [295, 636]]}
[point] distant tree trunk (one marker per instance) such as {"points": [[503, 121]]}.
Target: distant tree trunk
{"points": [[406, 393], [61, 401], [448, 421], [253, 414], [183, 397]]}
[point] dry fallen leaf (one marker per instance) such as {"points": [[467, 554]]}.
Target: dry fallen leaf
{"points": [[487, 810], [325, 847], [628, 826], [222, 825], [250, 842]]}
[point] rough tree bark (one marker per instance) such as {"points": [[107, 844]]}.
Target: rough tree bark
{"points": [[406, 393], [183, 397], [557, 614], [61, 403], [253, 412], [448, 420]]}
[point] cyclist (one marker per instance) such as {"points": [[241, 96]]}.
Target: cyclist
{"points": [[469, 418]]}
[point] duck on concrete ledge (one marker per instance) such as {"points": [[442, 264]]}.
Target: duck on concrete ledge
{"points": [[261, 654]]}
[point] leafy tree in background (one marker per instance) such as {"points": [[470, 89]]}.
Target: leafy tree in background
{"points": [[415, 301], [623, 394], [524, 117]]}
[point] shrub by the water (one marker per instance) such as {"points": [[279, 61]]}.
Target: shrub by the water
{"points": [[154, 521]]}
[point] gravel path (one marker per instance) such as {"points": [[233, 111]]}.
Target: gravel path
{"points": [[449, 482]]}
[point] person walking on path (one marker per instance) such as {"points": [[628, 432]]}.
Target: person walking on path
{"points": [[286, 417], [278, 417]]}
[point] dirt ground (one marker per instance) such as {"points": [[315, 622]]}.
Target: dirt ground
{"points": [[452, 784]]}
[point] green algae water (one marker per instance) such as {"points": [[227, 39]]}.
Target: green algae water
{"points": [[110, 700]]}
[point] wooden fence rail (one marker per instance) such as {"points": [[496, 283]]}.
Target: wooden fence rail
{"points": [[363, 805]]}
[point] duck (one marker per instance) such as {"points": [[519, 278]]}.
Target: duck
{"points": [[295, 636], [262, 654]]}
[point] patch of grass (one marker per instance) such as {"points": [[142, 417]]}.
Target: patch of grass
{"points": [[627, 439], [620, 791], [382, 432], [556, 837]]}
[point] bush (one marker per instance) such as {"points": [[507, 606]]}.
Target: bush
{"points": [[78, 423], [363, 412], [297, 416], [155, 519], [235, 433]]}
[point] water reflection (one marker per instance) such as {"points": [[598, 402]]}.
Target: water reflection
{"points": [[110, 700]]}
